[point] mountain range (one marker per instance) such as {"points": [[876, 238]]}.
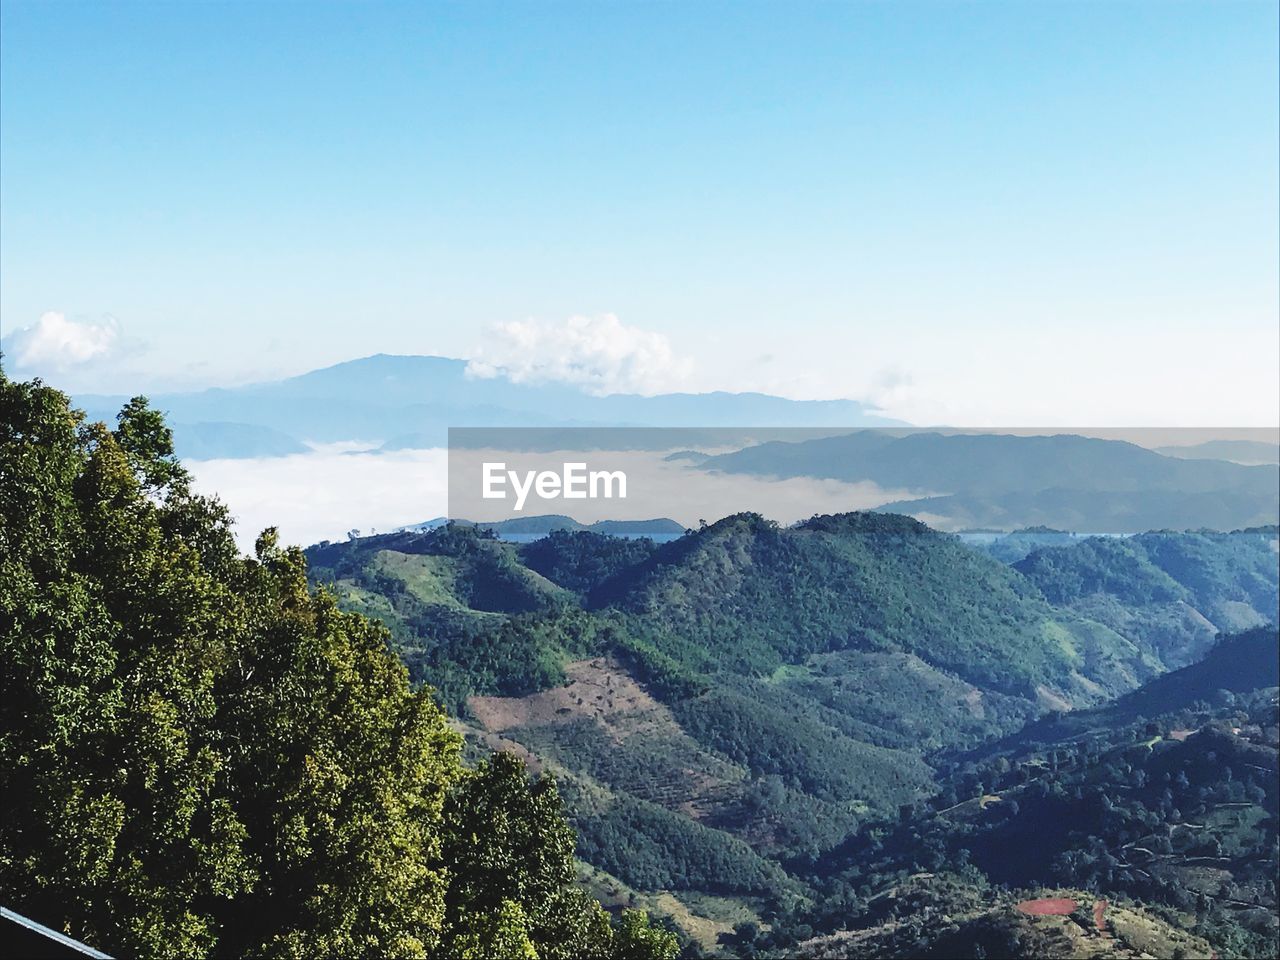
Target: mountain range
{"points": [[734, 715], [1142, 828], [960, 480], [398, 402], [1005, 481], [1237, 451]]}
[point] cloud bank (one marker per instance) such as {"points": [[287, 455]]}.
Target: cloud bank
{"points": [[54, 343], [323, 494], [601, 355]]}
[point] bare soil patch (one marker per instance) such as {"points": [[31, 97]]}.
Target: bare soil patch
{"points": [[597, 689], [1048, 907]]}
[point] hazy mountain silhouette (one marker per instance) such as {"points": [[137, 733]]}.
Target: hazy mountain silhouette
{"points": [[410, 401]]}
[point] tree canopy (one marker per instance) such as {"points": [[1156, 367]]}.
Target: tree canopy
{"points": [[200, 755]]}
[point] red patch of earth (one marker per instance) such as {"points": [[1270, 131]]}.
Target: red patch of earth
{"points": [[1048, 907], [1100, 915]]}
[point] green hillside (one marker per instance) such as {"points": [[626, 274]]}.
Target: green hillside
{"points": [[961, 914], [1166, 799], [1237, 665], [1170, 592], [731, 710], [748, 596], [459, 605]]}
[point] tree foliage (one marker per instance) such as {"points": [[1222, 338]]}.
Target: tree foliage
{"points": [[200, 756]]}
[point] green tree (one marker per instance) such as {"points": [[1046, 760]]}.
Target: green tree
{"points": [[200, 756], [506, 836]]}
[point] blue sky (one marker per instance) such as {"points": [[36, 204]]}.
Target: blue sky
{"points": [[986, 213]]}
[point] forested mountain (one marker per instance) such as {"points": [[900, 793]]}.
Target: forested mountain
{"points": [[1238, 664], [202, 756], [1163, 804], [750, 596], [727, 710], [1170, 591]]}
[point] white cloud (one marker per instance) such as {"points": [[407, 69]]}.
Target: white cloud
{"points": [[55, 343], [602, 355], [321, 495]]}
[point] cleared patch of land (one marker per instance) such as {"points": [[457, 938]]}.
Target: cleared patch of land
{"points": [[1048, 907], [596, 689]]}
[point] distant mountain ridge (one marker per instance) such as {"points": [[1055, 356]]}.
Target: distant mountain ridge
{"points": [[1237, 451], [1005, 481], [409, 402], [549, 523]]}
